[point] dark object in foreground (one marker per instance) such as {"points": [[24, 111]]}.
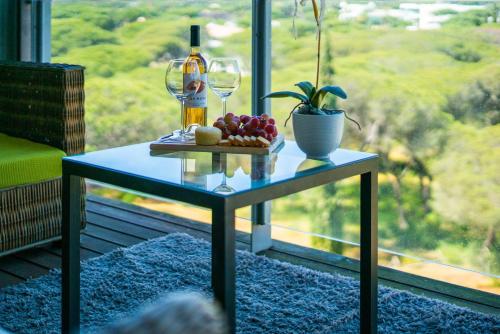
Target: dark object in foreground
{"points": [[177, 313]]}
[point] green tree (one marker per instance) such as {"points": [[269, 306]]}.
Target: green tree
{"points": [[470, 18], [327, 67], [460, 52], [65, 37], [328, 215], [406, 134], [477, 103], [467, 186], [108, 59], [422, 131]]}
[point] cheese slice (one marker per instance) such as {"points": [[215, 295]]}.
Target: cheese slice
{"points": [[263, 142], [207, 135]]}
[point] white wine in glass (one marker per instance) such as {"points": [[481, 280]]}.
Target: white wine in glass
{"points": [[224, 78], [182, 87]]}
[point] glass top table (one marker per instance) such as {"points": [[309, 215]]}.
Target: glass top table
{"points": [[205, 171], [222, 182]]}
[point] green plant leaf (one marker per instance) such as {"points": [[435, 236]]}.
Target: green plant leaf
{"points": [[307, 88], [283, 94], [320, 94], [312, 93]]}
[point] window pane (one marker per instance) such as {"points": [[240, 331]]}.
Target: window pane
{"points": [[427, 100], [125, 47], [422, 80]]}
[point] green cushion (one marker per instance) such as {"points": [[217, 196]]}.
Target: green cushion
{"points": [[25, 162]]}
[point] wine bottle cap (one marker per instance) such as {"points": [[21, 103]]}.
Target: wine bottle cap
{"points": [[195, 35]]}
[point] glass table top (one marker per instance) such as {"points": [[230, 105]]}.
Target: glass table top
{"points": [[224, 174]]}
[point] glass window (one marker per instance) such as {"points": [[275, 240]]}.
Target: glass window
{"points": [[125, 47], [422, 80], [427, 100]]}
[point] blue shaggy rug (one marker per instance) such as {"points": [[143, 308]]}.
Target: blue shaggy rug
{"points": [[272, 296]]}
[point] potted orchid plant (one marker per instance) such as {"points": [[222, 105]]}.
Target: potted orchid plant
{"points": [[318, 127]]}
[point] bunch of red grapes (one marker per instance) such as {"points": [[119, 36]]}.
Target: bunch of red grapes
{"points": [[244, 125]]}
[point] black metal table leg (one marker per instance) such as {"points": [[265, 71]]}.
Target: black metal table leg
{"points": [[223, 261], [369, 261], [71, 193]]}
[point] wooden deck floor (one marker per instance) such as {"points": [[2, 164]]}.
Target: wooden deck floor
{"points": [[113, 224]]}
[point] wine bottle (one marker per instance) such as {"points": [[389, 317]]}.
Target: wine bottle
{"points": [[195, 107]]}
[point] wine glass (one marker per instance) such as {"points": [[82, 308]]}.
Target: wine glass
{"points": [[224, 78], [182, 80], [224, 188]]}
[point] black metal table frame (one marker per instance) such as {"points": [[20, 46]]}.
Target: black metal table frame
{"points": [[223, 228]]}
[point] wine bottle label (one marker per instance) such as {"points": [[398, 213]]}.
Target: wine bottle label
{"points": [[199, 99]]}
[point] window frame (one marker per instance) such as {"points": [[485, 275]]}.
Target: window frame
{"points": [[25, 30], [261, 85]]}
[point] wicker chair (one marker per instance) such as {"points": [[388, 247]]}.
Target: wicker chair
{"points": [[43, 103]]}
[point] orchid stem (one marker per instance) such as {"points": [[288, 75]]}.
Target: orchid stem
{"points": [[318, 57]]}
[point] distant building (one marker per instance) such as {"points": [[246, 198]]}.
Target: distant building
{"points": [[418, 15]]}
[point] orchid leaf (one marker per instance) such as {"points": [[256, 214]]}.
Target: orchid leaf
{"points": [[283, 94], [321, 93], [307, 88]]}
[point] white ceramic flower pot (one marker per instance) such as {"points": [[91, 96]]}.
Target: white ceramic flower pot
{"points": [[318, 135]]}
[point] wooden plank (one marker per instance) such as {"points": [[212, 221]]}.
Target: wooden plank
{"points": [[97, 245], [41, 258], [89, 246], [111, 236], [284, 257], [317, 255], [159, 221], [166, 228], [7, 279], [85, 254], [122, 226], [19, 267], [164, 146], [147, 221], [155, 222]]}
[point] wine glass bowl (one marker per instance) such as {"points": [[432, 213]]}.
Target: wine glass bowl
{"points": [[224, 78], [182, 80]]}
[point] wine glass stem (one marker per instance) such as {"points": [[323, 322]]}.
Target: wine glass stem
{"points": [[224, 99], [183, 116]]}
